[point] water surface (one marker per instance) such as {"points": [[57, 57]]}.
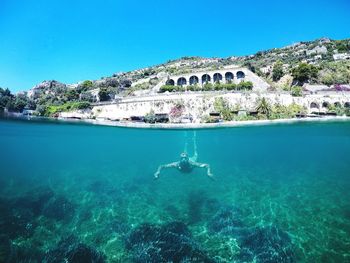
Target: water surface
{"points": [[286, 186]]}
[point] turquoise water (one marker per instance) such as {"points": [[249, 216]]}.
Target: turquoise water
{"points": [[281, 193]]}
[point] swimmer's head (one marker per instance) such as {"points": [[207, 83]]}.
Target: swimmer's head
{"points": [[184, 157]]}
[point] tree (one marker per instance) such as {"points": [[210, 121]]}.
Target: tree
{"points": [[277, 71], [6, 99], [263, 107], [72, 94], [304, 72], [103, 94], [86, 85], [87, 96]]}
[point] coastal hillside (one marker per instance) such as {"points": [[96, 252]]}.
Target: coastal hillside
{"points": [[323, 63]]}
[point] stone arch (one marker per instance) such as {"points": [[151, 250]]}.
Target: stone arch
{"points": [[314, 105], [347, 104], [217, 77], [181, 81], [194, 80], [206, 78], [240, 75], [325, 104], [337, 104], [229, 76], [170, 82]]}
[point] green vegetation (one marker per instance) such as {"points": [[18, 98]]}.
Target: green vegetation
{"points": [[14, 103], [150, 117], [335, 72], [279, 111], [304, 72], [342, 46], [87, 84], [244, 85], [297, 91], [103, 94], [277, 71], [169, 88], [339, 109], [51, 110], [6, 98], [263, 107], [222, 106]]}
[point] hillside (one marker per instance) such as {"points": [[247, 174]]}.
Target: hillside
{"points": [[322, 61]]}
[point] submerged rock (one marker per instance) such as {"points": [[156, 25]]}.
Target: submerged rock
{"points": [[172, 242], [258, 244], [23, 254], [227, 221], [34, 200], [15, 222], [59, 208], [196, 202], [70, 250], [267, 244]]}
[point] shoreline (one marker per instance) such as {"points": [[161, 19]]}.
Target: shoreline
{"points": [[178, 126], [228, 124]]}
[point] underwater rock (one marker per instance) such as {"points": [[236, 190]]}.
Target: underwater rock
{"points": [[11, 253], [196, 201], [98, 187], [172, 242], [15, 222], [59, 208], [34, 200], [118, 227], [267, 244], [227, 221], [23, 254], [70, 250], [172, 210], [5, 248]]}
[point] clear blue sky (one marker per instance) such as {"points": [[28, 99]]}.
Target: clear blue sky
{"points": [[73, 40]]}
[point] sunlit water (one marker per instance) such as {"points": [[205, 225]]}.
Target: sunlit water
{"points": [[287, 188]]}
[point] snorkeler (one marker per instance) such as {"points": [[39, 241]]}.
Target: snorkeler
{"points": [[186, 164]]}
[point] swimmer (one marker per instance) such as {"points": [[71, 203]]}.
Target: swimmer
{"points": [[185, 165]]}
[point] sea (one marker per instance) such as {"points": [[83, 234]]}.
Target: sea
{"points": [[76, 192]]}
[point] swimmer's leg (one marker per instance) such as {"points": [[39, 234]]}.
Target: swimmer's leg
{"points": [[195, 153], [186, 143]]}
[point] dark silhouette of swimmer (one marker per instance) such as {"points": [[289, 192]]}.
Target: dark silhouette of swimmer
{"points": [[185, 165]]}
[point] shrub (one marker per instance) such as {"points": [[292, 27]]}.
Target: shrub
{"points": [[263, 107], [194, 87], [103, 94], [150, 117], [207, 86], [86, 96], [51, 110], [297, 91], [245, 85], [222, 106], [165, 88], [218, 86], [86, 85]]}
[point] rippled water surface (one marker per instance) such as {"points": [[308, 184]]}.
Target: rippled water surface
{"points": [[87, 194]]}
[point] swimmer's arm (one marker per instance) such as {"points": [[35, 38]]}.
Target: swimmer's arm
{"points": [[161, 167], [206, 166]]}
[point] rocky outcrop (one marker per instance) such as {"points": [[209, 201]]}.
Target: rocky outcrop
{"points": [[44, 86]]}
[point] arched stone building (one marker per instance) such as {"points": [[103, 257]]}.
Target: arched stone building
{"points": [[227, 75]]}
